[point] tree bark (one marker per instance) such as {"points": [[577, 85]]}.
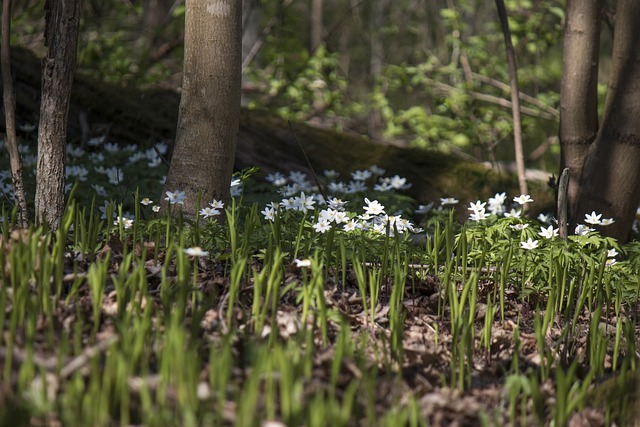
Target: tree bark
{"points": [[62, 20], [610, 183], [208, 119], [10, 117], [578, 91]]}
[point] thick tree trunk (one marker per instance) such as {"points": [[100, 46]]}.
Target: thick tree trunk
{"points": [[208, 119], [10, 117], [578, 90], [58, 65], [610, 182]]}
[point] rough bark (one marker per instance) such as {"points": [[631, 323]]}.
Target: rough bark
{"points": [[61, 38], [11, 140], [610, 182], [578, 90], [209, 110]]}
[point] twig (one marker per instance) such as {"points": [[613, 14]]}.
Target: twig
{"points": [[563, 186]]}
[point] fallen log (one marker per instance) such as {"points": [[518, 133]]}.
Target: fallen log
{"points": [[129, 115]]}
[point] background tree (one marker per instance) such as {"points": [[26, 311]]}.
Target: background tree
{"points": [[208, 119], [10, 117], [603, 159], [62, 20]]}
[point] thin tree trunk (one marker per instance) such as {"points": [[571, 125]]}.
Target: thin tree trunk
{"points": [[376, 62], [578, 91], [208, 119], [610, 183], [62, 20], [317, 26], [10, 117], [515, 96]]}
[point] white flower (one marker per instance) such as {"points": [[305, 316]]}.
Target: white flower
{"points": [[302, 263], [360, 175], [303, 203], [95, 141], [177, 197], [337, 187], [276, 177], [548, 232], [156, 209], [523, 199], [269, 213], [208, 212], [377, 170], [217, 204], [350, 226], [111, 147], [519, 226], [115, 175], [195, 251], [331, 174], [544, 218], [448, 201], [529, 244], [423, 209], [592, 218], [607, 221], [79, 172], [337, 204], [99, 189], [356, 187], [126, 222], [373, 207], [498, 199], [610, 261], [383, 186], [235, 182], [582, 230], [611, 253], [479, 215], [146, 201], [322, 226], [298, 177], [288, 204], [513, 214], [398, 182], [326, 215], [340, 217], [477, 206]]}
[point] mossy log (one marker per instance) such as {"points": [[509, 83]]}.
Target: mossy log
{"points": [[129, 115]]}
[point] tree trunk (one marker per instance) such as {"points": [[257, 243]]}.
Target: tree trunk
{"points": [[610, 182], [62, 20], [376, 63], [515, 96], [317, 26], [208, 118], [578, 91], [10, 118]]}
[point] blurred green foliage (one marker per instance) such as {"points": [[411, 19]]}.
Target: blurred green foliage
{"points": [[443, 83]]}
